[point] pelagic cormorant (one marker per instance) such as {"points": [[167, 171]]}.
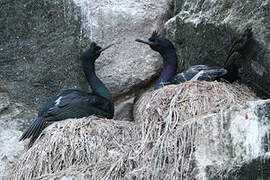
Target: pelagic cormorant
{"points": [[197, 72], [73, 103], [241, 50]]}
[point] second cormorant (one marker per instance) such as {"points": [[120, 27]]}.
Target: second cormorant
{"points": [[73, 103], [198, 72]]}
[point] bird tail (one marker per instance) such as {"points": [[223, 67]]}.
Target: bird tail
{"points": [[34, 130]]}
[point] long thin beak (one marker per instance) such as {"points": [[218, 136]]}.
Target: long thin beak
{"points": [[103, 49], [143, 41]]}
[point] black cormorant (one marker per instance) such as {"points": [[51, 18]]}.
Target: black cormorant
{"points": [[73, 103], [197, 72], [242, 49]]}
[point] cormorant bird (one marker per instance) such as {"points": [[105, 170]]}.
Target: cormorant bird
{"points": [[241, 51], [197, 72], [73, 103]]}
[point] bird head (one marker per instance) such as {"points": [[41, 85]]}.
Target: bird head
{"points": [[95, 51], [158, 43], [247, 33]]}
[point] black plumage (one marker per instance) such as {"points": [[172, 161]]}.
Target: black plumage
{"points": [[235, 60], [199, 73], [242, 49], [73, 103]]}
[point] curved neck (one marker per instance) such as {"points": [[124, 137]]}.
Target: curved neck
{"points": [[169, 68], [96, 84]]}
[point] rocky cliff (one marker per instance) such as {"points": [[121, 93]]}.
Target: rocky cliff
{"points": [[41, 42], [188, 131], [203, 30]]}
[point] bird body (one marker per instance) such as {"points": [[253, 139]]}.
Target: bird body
{"points": [[242, 49], [199, 73], [73, 103], [168, 74], [234, 61]]}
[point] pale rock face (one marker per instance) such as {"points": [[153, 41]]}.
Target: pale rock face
{"points": [[128, 63], [202, 32], [12, 116], [207, 142], [40, 53], [42, 43], [231, 137], [40, 57], [10, 149]]}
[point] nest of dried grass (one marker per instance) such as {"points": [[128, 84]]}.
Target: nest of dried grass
{"points": [[159, 145], [169, 122], [191, 99], [98, 145]]}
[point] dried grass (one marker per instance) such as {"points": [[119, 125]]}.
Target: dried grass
{"points": [[191, 99], [97, 144], [159, 145], [168, 119]]}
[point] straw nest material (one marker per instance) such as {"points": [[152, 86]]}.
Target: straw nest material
{"points": [[190, 99], [159, 145], [169, 117], [99, 145]]}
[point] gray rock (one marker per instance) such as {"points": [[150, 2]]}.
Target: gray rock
{"points": [[128, 64], [254, 169], [12, 118], [124, 110], [202, 32], [39, 51], [229, 138], [41, 43], [196, 134], [4, 101]]}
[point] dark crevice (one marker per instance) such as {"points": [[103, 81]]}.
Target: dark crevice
{"points": [[137, 90], [255, 169]]}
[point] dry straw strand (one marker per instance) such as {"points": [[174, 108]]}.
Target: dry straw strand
{"points": [[160, 144]]}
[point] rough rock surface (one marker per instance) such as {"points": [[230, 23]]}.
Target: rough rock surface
{"points": [[203, 30], [128, 63], [255, 169], [39, 49], [41, 43], [206, 127], [12, 117], [119, 149], [231, 137]]}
